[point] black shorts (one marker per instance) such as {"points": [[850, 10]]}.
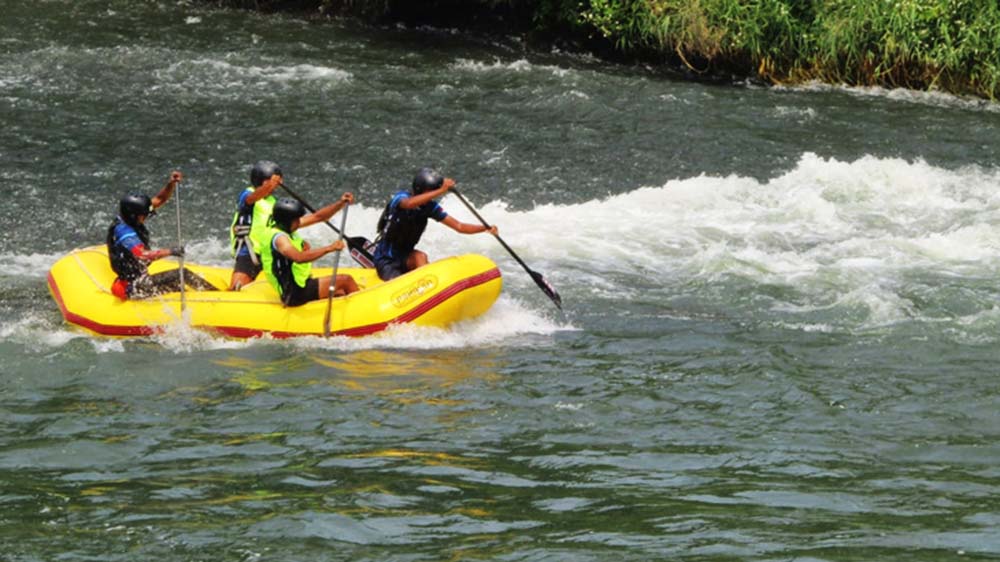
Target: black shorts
{"points": [[244, 264], [299, 296], [389, 268]]}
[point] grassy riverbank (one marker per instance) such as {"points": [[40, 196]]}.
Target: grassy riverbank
{"points": [[947, 45]]}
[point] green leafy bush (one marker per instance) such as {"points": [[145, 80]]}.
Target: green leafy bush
{"points": [[952, 45]]}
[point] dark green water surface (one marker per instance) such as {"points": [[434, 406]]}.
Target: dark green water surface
{"points": [[779, 341]]}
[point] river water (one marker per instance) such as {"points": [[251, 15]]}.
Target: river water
{"points": [[779, 338]]}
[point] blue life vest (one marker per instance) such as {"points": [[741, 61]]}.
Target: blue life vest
{"points": [[400, 229], [123, 261]]}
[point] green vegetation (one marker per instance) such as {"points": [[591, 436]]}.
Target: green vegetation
{"points": [[949, 45]]}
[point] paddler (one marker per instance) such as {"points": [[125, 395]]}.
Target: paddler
{"points": [[130, 254], [287, 258], [249, 229], [253, 208], [404, 219]]}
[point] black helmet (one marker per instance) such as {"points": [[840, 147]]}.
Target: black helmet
{"points": [[133, 206], [262, 171], [285, 212], [426, 180]]}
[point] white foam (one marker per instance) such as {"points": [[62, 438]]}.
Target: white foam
{"points": [[517, 66], [800, 114], [151, 70], [27, 265], [846, 233], [226, 72], [508, 321], [821, 211], [37, 333], [927, 98]]}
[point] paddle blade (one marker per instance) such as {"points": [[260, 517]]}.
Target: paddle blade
{"points": [[539, 280], [546, 288], [362, 251]]}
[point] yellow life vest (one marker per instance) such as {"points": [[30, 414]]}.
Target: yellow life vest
{"points": [[281, 271]]}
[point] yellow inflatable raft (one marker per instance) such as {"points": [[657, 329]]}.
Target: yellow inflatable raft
{"points": [[446, 291]]}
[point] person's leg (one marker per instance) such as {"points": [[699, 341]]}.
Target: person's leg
{"points": [[389, 269], [168, 282], [244, 272], [238, 280], [324, 287], [345, 285], [193, 280], [157, 284], [311, 292], [416, 259], [143, 287]]}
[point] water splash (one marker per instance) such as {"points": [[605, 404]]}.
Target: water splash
{"points": [[854, 244]]}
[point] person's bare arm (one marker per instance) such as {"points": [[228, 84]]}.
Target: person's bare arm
{"points": [[164, 195], [284, 245]]}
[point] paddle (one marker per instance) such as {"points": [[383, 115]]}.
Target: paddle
{"points": [[333, 278], [539, 280], [361, 248], [180, 243]]}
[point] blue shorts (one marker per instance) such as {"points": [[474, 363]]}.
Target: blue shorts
{"points": [[389, 268]]}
